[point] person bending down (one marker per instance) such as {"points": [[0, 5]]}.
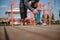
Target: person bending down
{"points": [[24, 4]]}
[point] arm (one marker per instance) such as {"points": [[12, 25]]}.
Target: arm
{"points": [[27, 5]]}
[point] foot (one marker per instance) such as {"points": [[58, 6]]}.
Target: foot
{"points": [[39, 23], [44, 24]]}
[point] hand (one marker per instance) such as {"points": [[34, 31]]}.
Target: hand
{"points": [[35, 11]]}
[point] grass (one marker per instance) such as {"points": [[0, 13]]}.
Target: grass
{"points": [[6, 24]]}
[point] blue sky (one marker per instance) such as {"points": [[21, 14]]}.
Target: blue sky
{"points": [[5, 5]]}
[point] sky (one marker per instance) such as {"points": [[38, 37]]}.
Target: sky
{"points": [[5, 5]]}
